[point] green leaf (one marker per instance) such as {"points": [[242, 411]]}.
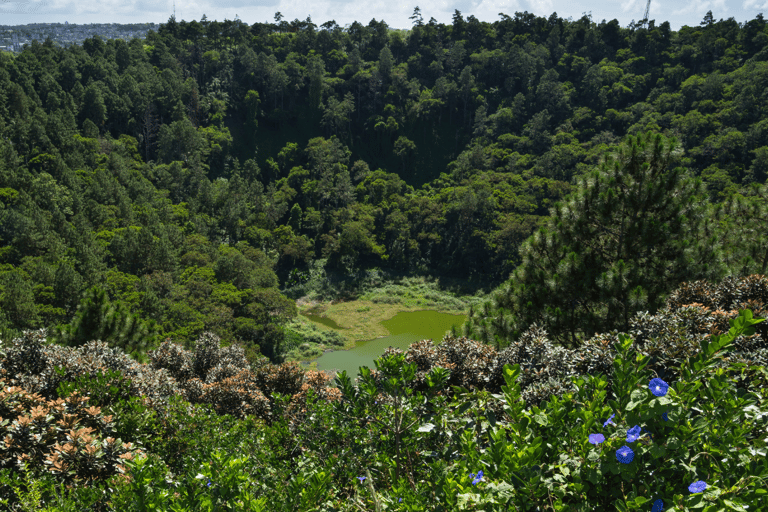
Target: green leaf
{"points": [[620, 505], [735, 506], [658, 451]]}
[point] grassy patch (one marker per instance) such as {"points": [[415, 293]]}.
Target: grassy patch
{"points": [[360, 319], [425, 293], [305, 340]]}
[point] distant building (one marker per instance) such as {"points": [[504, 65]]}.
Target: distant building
{"points": [[66, 23]]}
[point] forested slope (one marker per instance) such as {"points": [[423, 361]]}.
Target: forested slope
{"points": [[189, 173]]}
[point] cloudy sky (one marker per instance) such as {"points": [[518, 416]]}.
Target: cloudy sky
{"points": [[394, 12]]}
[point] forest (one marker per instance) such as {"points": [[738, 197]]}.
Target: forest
{"points": [[199, 175], [172, 197]]}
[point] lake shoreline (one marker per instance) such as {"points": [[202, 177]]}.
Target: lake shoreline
{"points": [[400, 328], [358, 319]]}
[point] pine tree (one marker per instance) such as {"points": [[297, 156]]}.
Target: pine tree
{"points": [[742, 219], [99, 319], [633, 231]]}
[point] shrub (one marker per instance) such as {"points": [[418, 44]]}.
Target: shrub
{"points": [[73, 440], [668, 338]]}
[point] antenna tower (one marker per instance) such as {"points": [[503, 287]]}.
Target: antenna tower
{"points": [[647, 9]]}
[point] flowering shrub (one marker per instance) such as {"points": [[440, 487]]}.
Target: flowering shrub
{"points": [[67, 437], [708, 433]]}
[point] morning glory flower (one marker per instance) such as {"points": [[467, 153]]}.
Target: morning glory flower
{"points": [[665, 417], [697, 486], [609, 421], [596, 438], [479, 477], [658, 506], [625, 454], [658, 387], [361, 478], [209, 482], [633, 434]]}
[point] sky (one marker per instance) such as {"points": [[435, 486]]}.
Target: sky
{"points": [[394, 12]]}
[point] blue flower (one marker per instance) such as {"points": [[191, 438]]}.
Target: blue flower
{"points": [[658, 387], [665, 417], [476, 479], [658, 506], [625, 454], [609, 421], [697, 486], [400, 500], [361, 478], [633, 434], [596, 438], [209, 482]]}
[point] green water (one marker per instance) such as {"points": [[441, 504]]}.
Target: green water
{"points": [[405, 328]]}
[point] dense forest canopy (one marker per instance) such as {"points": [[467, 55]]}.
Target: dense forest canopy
{"points": [[192, 173]]}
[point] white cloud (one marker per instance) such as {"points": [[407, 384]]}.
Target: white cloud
{"points": [[631, 5], [25, 7], [701, 7], [755, 4], [542, 7], [489, 10]]}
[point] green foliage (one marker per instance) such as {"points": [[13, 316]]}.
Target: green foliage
{"points": [[305, 341], [99, 319], [404, 436], [399, 156], [467, 161], [65, 437], [116, 394], [632, 231]]}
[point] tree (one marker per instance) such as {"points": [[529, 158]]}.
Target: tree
{"points": [[93, 106], [633, 230], [316, 72], [386, 61], [17, 300], [149, 127], [467, 82], [742, 220], [458, 25], [405, 149], [252, 104], [418, 19], [67, 287], [179, 141], [337, 115], [90, 130], [99, 319]]}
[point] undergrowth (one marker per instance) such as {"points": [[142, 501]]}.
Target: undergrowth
{"points": [[677, 420]]}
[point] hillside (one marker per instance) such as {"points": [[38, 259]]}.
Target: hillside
{"points": [[193, 173], [165, 201]]}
